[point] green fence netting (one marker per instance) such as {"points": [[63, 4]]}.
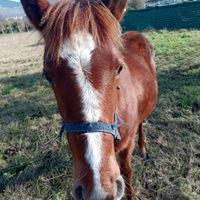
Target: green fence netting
{"points": [[183, 15]]}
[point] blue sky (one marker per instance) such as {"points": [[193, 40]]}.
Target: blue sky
{"points": [[15, 0]]}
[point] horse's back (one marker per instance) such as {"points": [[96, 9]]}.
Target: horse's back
{"points": [[138, 51], [139, 57]]}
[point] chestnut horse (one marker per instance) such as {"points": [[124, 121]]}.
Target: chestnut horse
{"points": [[98, 76]]}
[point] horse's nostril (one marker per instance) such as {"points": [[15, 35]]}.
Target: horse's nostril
{"points": [[78, 193], [120, 188]]}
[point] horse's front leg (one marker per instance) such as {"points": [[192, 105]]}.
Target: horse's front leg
{"points": [[126, 171]]}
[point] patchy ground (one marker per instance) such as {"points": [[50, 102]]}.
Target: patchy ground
{"points": [[34, 165]]}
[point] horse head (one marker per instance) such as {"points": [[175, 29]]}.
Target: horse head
{"points": [[82, 62]]}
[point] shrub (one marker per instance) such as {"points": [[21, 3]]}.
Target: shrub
{"points": [[136, 4]]}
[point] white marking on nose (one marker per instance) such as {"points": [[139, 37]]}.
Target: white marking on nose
{"points": [[78, 54]]}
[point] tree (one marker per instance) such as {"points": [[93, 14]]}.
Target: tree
{"points": [[2, 23], [2, 18], [8, 27], [18, 25], [136, 4], [27, 24], [2, 27]]}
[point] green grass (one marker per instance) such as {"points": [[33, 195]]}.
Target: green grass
{"points": [[172, 129], [43, 170]]}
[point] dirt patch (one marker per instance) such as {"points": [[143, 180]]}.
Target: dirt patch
{"points": [[12, 151]]}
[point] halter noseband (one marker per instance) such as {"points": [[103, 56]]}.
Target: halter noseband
{"points": [[91, 127]]}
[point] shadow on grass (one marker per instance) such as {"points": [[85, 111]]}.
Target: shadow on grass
{"points": [[171, 165], [170, 159], [27, 96], [48, 173], [37, 44], [20, 82], [30, 173], [180, 87], [178, 78]]}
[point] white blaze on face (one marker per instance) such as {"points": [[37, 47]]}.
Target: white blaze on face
{"points": [[78, 54]]}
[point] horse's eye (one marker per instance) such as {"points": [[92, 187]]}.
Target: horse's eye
{"points": [[49, 79], [119, 70]]}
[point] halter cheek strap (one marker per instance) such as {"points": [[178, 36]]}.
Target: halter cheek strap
{"points": [[91, 127]]}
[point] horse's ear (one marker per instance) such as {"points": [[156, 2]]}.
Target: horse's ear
{"points": [[35, 9], [117, 7]]}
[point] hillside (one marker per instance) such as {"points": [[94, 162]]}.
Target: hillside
{"points": [[9, 4], [11, 9]]}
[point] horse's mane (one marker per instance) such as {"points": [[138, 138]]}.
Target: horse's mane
{"points": [[67, 17]]}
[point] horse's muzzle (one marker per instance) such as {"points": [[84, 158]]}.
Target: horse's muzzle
{"points": [[80, 193]]}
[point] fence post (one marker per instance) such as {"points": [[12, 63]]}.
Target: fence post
{"points": [[153, 18], [178, 16]]}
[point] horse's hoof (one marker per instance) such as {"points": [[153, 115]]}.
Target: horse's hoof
{"points": [[144, 156]]}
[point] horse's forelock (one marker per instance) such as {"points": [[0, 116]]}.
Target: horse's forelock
{"points": [[66, 18]]}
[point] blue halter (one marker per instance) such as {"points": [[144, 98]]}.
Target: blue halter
{"points": [[91, 127]]}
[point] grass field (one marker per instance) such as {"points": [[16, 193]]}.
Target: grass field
{"points": [[34, 165]]}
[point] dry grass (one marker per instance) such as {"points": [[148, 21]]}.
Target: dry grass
{"points": [[29, 118]]}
